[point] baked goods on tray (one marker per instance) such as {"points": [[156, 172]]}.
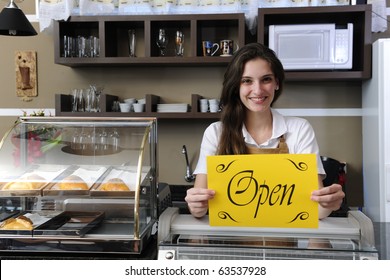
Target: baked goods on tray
{"points": [[72, 182], [114, 184], [19, 223], [31, 182]]}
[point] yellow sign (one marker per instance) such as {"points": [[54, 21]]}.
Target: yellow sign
{"points": [[269, 190]]}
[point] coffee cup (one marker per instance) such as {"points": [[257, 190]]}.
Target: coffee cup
{"points": [[209, 48], [125, 107], [139, 107], [204, 105], [227, 47]]}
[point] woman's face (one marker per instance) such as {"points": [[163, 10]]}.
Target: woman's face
{"points": [[258, 85]]}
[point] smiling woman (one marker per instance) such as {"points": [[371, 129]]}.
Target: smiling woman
{"points": [[253, 81]]}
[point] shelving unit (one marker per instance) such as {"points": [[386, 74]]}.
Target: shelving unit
{"points": [[359, 15], [112, 33]]}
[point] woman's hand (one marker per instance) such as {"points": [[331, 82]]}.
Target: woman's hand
{"points": [[197, 200], [329, 198], [198, 197]]}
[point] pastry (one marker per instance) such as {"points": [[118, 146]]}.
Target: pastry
{"points": [[31, 182], [73, 182], [114, 184], [19, 223]]}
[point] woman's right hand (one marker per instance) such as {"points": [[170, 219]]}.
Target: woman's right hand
{"points": [[198, 197], [197, 200]]}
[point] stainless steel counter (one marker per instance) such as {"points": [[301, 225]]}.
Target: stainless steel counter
{"points": [[382, 239]]}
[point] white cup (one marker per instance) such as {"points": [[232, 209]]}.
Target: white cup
{"points": [[204, 108], [214, 108], [214, 102], [142, 101], [125, 107], [130, 101], [138, 107], [204, 105]]}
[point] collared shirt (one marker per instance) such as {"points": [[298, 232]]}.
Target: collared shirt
{"points": [[298, 132]]}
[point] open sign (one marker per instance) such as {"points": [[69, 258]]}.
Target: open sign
{"points": [[268, 190]]}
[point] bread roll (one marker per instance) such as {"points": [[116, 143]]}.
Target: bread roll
{"points": [[73, 182], [18, 185], [19, 223], [31, 182], [114, 184]]}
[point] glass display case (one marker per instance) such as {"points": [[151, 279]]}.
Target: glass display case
{"points": [[78, 185]]}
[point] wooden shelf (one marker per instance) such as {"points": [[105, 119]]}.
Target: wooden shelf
{"points": [[112, 34], [63, 108]]}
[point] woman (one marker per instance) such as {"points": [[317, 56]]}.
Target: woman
{"points": [[253, 81]]}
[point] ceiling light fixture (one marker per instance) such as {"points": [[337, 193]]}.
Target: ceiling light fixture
{"points": [[13, 22]]}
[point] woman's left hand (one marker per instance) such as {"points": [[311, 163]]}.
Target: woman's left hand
{"points": [[329, 197]]}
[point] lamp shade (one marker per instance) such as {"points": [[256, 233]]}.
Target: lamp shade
{"points": [[13, 22]]}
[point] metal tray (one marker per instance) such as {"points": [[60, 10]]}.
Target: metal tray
{"points": [[4, 215], [70, 223], [40, 218]]}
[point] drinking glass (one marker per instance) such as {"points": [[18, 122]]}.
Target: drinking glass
{"points": [[162, 41], [114, 139], [75, 100], [179, 43], [80, 100], [98, 90], [131, 38]]}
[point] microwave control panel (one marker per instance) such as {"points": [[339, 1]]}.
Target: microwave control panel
{"points": [[343, 47]]}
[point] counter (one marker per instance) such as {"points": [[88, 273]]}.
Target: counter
{"points": [[382, 239]]}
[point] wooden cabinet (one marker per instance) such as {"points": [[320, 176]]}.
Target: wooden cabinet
{"points": [[113, 38], [359, 15]]}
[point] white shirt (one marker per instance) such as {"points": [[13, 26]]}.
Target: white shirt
{"points": [[298, 133]]}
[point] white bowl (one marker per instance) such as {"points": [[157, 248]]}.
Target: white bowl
{"points": [[130, 100]]}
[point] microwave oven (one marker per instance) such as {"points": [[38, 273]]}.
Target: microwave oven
{"points": [[312, 46]]}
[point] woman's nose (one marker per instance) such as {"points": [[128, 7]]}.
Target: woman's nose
{"points": [[256, 87]]}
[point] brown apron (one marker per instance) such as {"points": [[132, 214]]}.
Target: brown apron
{"points": [[272, 241], [281, 149]]}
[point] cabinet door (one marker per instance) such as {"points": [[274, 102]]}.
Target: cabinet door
{"points": [[358, 15]]}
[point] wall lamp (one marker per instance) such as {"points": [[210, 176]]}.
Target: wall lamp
{"points": [[13, 22]]}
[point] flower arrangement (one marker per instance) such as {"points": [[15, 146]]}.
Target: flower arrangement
{"points": [[40, 139]]}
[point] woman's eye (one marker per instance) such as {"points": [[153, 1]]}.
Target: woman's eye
{"points": [[246, 81]]}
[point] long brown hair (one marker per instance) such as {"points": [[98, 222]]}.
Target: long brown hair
{"points": [[233, 110]]}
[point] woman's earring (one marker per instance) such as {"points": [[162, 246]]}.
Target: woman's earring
{"points": [[277, 88]]}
